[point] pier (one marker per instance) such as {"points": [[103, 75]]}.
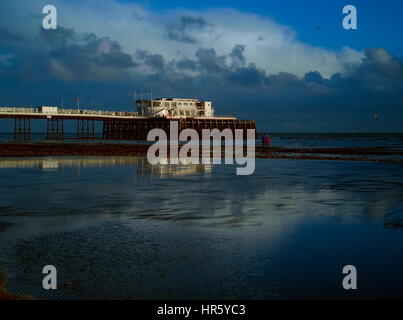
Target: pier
{"points": [[117, 125]]}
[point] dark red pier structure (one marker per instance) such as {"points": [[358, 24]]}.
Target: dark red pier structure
{"points": [[117, 125], [137, 129]]}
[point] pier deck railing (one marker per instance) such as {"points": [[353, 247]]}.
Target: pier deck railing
{"points": [[37, 111], [10, 111]]}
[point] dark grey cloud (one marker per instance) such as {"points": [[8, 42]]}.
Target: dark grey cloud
{"points": [[68, 56], [209, 62], [61, 37], [188, 22], [313, 76], [309, 103], [155, 61], [6, 35], [187, 64], [379, 71], [248, 76], [62, 61], [182, 30], [238, 59]]}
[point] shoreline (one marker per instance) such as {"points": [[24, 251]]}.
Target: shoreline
{"points": [[46, 149]]}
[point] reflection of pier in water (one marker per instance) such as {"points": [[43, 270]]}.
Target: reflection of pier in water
{"points": [[163, 169]]}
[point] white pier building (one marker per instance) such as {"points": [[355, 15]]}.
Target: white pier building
{"points": [[175, 108]]}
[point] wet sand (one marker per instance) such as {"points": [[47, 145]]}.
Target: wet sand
{"points": [[35, 149], [384, 154], [116, 230], [4, 295]]}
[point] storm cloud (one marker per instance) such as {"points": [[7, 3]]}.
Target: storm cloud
{"points": [[182, 31], [75, 57], [6, 35], [103, 71], [155, 61]]}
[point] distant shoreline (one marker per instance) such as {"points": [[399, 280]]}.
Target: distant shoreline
{"points": [[44, 149]]}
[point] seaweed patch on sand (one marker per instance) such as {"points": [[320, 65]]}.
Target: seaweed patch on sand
{"points": [[4, 295], [40, 149], [394, 225]]}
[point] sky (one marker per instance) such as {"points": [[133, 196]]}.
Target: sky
{"points": [[289, 65]]}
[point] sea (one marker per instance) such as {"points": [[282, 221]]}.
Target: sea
{"points": [[311, 140], [120, 228]]}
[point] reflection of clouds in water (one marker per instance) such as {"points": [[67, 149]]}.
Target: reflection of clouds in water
{"points": [[227, 236], [204, 194], [294, 188], [380, 204]]}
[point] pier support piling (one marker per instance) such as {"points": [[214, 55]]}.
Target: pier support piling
{"points": [[55, 129], [22, 128], [85, 129]]}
